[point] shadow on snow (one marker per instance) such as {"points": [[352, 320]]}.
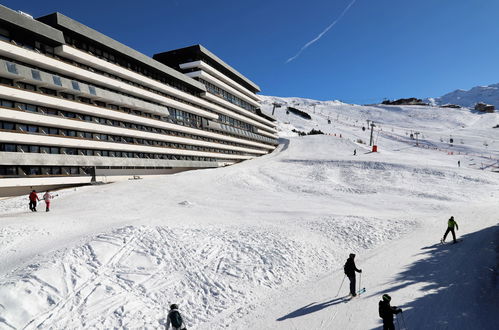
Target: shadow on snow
{"points": [[459, 282], [312, 308]]}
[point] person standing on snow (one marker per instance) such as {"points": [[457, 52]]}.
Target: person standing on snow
{"points": [[350, 270], [175, 319], [450, 228], [33, 198], [386, 312], [47, 197]]}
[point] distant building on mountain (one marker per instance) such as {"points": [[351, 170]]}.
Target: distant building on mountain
{"points": [[480, 106], [409, 101]]}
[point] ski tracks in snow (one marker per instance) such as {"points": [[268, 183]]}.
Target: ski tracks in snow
{"points": [[128, 277]]}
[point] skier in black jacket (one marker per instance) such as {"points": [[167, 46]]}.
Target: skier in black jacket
{"points": [[350, 270], [386, 312]]}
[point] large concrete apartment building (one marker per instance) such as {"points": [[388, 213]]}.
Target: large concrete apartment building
{"points": [[78, 107]]}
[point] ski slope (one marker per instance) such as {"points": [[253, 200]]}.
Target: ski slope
{"points": [[261, 244]]}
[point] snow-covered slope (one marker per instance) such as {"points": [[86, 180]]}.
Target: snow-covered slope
{"points": [[468, 98], [261, 244]]}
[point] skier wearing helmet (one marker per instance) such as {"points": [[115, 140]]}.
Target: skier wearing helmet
{"points": [[350, 270], [175, 319], [450, 229], [386, 312]]}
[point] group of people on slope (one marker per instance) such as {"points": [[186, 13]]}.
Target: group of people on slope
{"points": [[386, 311], [33, 199]]}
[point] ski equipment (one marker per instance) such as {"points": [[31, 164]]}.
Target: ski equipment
{"points": [[340, 286]]}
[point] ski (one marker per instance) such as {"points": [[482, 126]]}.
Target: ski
{"points": [[363, 290]]}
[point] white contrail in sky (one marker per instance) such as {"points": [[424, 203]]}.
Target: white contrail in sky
{"points": [[322, 33]]}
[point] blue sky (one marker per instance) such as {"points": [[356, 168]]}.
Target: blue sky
{"points": [[378, 49]]}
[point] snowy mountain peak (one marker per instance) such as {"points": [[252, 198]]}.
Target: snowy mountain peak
{"points": [[468, 98]]}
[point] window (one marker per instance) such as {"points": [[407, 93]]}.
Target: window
{"points": [[27, 107], [11, 67], [25, 86], [84, 100], [8, 170], [8, 126], [54, 150], [46, 171], [48, 91], [56, 170], [32, 129], [4, 34], [67, 96], [57, 80], [45, 150], [22, 127], [36, 75], [75, 85], [34, 149], [8, 147], [5, 81], [6, 103], [92, 91]]}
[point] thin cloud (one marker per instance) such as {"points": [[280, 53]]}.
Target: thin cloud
{"points": [[322, 33]]}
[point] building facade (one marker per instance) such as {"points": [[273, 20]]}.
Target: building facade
{"points": [[78, 107]]}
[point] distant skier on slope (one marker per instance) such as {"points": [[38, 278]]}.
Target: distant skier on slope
{"points": [[350, 270], [450, 228], [33, 198], [386, 312], [175, 319]]}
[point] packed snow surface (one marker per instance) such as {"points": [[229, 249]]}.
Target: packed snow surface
{"points": [[261, 244]]}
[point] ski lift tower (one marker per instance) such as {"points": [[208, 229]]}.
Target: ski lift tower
{"points": [[372, 129], [276, 105]]}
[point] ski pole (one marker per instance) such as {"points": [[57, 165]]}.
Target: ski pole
{"points": [[341, 285], [360, 282], [403, 320]]}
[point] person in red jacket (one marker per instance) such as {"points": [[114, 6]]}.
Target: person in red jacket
{"points": [[33, 198]]}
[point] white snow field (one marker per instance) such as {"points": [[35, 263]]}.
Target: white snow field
{"points": [[261, 244]]}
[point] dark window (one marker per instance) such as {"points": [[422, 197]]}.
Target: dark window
{"points": [[9, 170], [22, 127], [57, 80], [47, 91], [7, 103], [32, 129], [8, 126], [28, 87], [75, 85], [91, 89], [56, 170], [36, 75], [73, 170], [84, 100], [67, 96], [45, 150], [9, 147], [54, 150], [11, 67], [34, 149], [5, 81]]}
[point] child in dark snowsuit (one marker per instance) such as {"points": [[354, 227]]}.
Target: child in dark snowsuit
{"points": [[386, 312], [350, 270], [175, 319]]}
